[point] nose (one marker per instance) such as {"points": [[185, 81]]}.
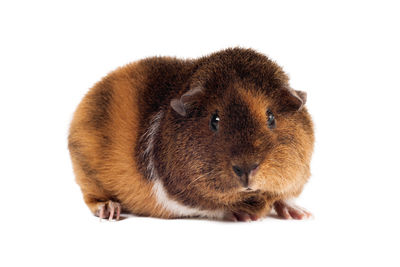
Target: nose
{"points": [[243, 172]]}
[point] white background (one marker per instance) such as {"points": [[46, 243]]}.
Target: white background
{"points": [[344, 54]]}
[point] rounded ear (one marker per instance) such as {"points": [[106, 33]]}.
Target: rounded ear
{"points": [[178, 106], [181, 105], [302, 95], [292, 99]]}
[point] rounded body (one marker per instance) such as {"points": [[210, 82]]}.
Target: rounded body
{"points": [[174, 138]]}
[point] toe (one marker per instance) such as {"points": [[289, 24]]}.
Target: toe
{"points": [[230, 217], [242, 217], [254, 217], [111, 207], [288, 210], [108, 210], [296, 213], [118, 212], [284, 213], [299, 213], [100, 212]]}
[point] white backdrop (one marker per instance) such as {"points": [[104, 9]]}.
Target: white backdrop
{"points": [[345, 54]]}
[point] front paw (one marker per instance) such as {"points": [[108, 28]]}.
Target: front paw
{"points": [[287, 210], [240, 216], [250, 208]]}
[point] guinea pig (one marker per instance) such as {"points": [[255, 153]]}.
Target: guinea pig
{"points": [[221, 137]]}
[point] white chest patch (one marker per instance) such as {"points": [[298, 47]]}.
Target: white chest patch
{"points": [[179, 209], [172, 206]]}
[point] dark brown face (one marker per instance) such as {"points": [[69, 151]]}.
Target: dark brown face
{"points": [[240, 140], [239, 136], [238, 127]]}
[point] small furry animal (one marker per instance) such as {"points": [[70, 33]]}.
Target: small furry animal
{"points": [[223, 137]]}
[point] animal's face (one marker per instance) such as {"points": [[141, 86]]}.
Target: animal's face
{"points": [[237, 126], [242, 138]]}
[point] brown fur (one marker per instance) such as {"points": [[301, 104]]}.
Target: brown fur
{"points": [[109, 135]]}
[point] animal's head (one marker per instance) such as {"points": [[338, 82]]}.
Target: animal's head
{"points": [[237, 126]]}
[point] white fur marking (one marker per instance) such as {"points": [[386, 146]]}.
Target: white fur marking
{"points": [[173, 206], [178, 209], [149, 137]]}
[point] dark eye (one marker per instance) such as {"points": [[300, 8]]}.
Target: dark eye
{"points": [[271, 119], [214, 122]]}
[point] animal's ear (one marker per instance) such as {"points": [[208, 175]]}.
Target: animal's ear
{"points": [[302, 95], [292, 99], [180, 105]]}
